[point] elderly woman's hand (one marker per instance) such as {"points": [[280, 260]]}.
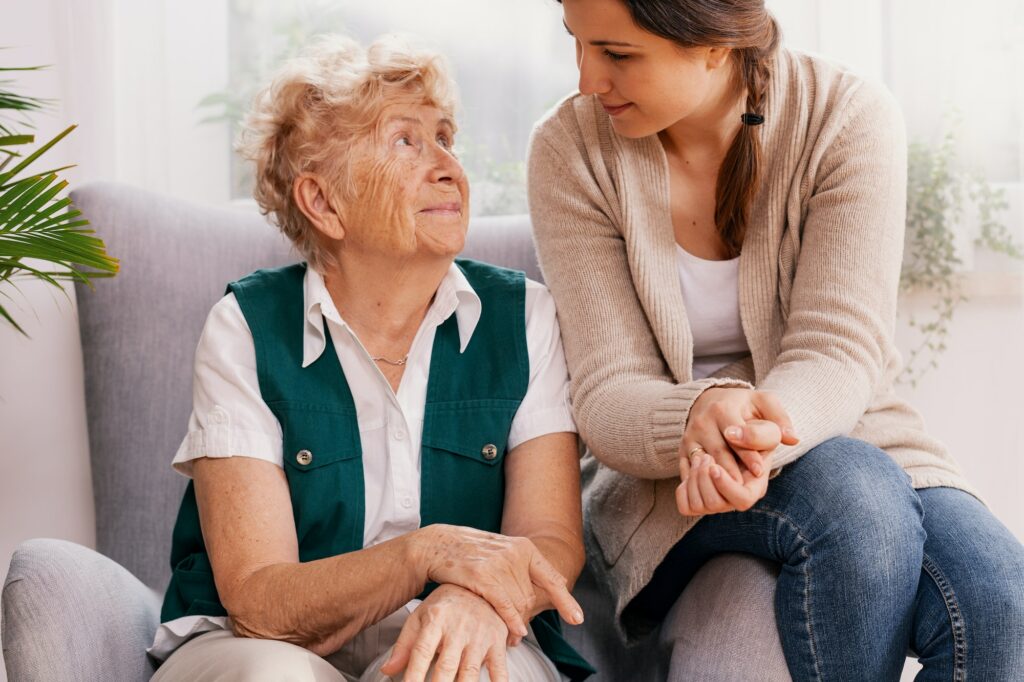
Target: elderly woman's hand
{"points": [[459, 627], [504, 570]]}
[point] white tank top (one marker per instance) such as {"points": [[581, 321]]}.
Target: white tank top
{"points": [[712, 297]]}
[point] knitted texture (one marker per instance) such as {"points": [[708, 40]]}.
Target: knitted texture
{"points": [[818, 281]]}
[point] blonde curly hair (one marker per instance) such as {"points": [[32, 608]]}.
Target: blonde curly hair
{"points": [[318, 107]]}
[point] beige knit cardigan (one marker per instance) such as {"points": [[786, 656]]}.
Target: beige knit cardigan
{"points": [[818, 278]]}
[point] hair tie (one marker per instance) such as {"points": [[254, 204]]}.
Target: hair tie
{"points": [[752, 119]]}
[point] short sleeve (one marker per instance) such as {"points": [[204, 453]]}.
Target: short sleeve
{"points": [[545, 408], [229, 417]]}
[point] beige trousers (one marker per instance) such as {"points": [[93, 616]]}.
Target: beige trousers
{"points": [[219, 656]]}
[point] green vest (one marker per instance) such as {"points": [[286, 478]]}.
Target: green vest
{"points": [[472, 398]]}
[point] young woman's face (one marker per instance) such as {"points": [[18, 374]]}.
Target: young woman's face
{"points": [[645, 82]]}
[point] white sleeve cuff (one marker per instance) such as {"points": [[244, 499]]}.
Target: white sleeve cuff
{"points": [[540, 423], [223, 441]]}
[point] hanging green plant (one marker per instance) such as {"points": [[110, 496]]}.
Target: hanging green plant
{"points": [[37, 220], [936, 197]]}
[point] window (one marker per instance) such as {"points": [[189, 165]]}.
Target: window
{"points": [[512, 61]]}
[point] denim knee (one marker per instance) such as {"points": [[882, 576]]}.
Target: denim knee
{"points": [[973, 584], [858, 500]]}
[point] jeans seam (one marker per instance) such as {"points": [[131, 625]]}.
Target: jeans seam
{"points": [[956, 619], [807, 580]]}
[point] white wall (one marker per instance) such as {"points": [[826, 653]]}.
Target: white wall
{"points": [[131, 131], [972, 402], [46, 489]]}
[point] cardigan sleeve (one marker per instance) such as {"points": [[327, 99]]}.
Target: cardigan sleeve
{"points": [[842, 308], [629, 409]]}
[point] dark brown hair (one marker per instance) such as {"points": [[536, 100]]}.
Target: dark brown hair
{"points": [[749, 29]]}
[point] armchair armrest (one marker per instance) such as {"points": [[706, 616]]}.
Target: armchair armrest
{"points": [[70, 613]]}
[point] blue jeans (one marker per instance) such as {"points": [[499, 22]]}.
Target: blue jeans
{"points": [[871, 568]]}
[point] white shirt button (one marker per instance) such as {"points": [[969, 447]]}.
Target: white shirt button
{"points": [[399, 434], [217, 416], [406, 502]]}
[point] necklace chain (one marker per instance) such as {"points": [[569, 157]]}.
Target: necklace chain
{"points": [[397, 363]]}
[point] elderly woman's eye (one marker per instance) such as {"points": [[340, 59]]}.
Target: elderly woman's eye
{"points": [[404, 141], [444, 141]]}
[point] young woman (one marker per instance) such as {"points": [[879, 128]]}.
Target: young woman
{"points": [[721, 224]]}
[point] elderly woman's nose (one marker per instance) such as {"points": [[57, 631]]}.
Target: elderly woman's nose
{"points": [[445, 166]]}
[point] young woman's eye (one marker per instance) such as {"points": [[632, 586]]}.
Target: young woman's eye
{"points": [[616, 56]]}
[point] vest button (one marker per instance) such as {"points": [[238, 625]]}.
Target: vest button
{"points": [[489, 452], [304, 457]]}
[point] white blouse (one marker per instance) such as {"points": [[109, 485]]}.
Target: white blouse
{"points": [[229, 417], [712, 299]]}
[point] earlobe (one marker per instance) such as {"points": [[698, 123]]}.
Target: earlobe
{"points": [[308, 193], [717, 56]]}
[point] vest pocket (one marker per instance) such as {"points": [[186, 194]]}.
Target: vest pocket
{"points": [[324, 465], [314, 438], [461, 478], [477, 429]]}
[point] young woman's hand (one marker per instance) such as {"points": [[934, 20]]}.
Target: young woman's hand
{"points": [[710, 490], [723, 424], [461, 629], [505, 571]]}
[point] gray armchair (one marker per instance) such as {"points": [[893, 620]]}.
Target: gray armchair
{"points": [[71, 613]]}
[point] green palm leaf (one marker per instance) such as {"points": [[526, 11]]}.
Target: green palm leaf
{"points": [[36, 220]]}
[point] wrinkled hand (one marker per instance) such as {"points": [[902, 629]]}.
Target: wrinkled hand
{"points": [[726, 424], [461, 629], [506, 571]]}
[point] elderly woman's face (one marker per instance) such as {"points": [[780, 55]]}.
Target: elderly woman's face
{"points": [[413, 197]]}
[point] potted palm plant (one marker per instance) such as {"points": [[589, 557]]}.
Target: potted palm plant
{"points": [[42, 235]]}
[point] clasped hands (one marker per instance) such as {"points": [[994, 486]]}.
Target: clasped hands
{"points": [[724, 454], [491, 586]]}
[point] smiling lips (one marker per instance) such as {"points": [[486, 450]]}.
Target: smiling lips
{"points": [[616, 110], [449, 208]]}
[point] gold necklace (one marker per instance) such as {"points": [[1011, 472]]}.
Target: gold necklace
{"points": [[397, 363]]}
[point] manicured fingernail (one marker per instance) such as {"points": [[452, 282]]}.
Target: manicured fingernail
{"points": [[756, 469], [578, 616], [788, 431], [734, 432], [716, 472]]}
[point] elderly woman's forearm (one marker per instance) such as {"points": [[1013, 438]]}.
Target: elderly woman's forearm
{"points": [[567, 556], [323, 604]]}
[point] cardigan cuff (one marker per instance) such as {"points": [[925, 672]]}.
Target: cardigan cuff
{"points": [[668, 421]]}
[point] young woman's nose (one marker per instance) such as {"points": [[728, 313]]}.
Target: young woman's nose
{"points": [[593, 78]]}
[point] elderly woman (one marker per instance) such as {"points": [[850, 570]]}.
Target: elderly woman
{"points": [[384, 465]]}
